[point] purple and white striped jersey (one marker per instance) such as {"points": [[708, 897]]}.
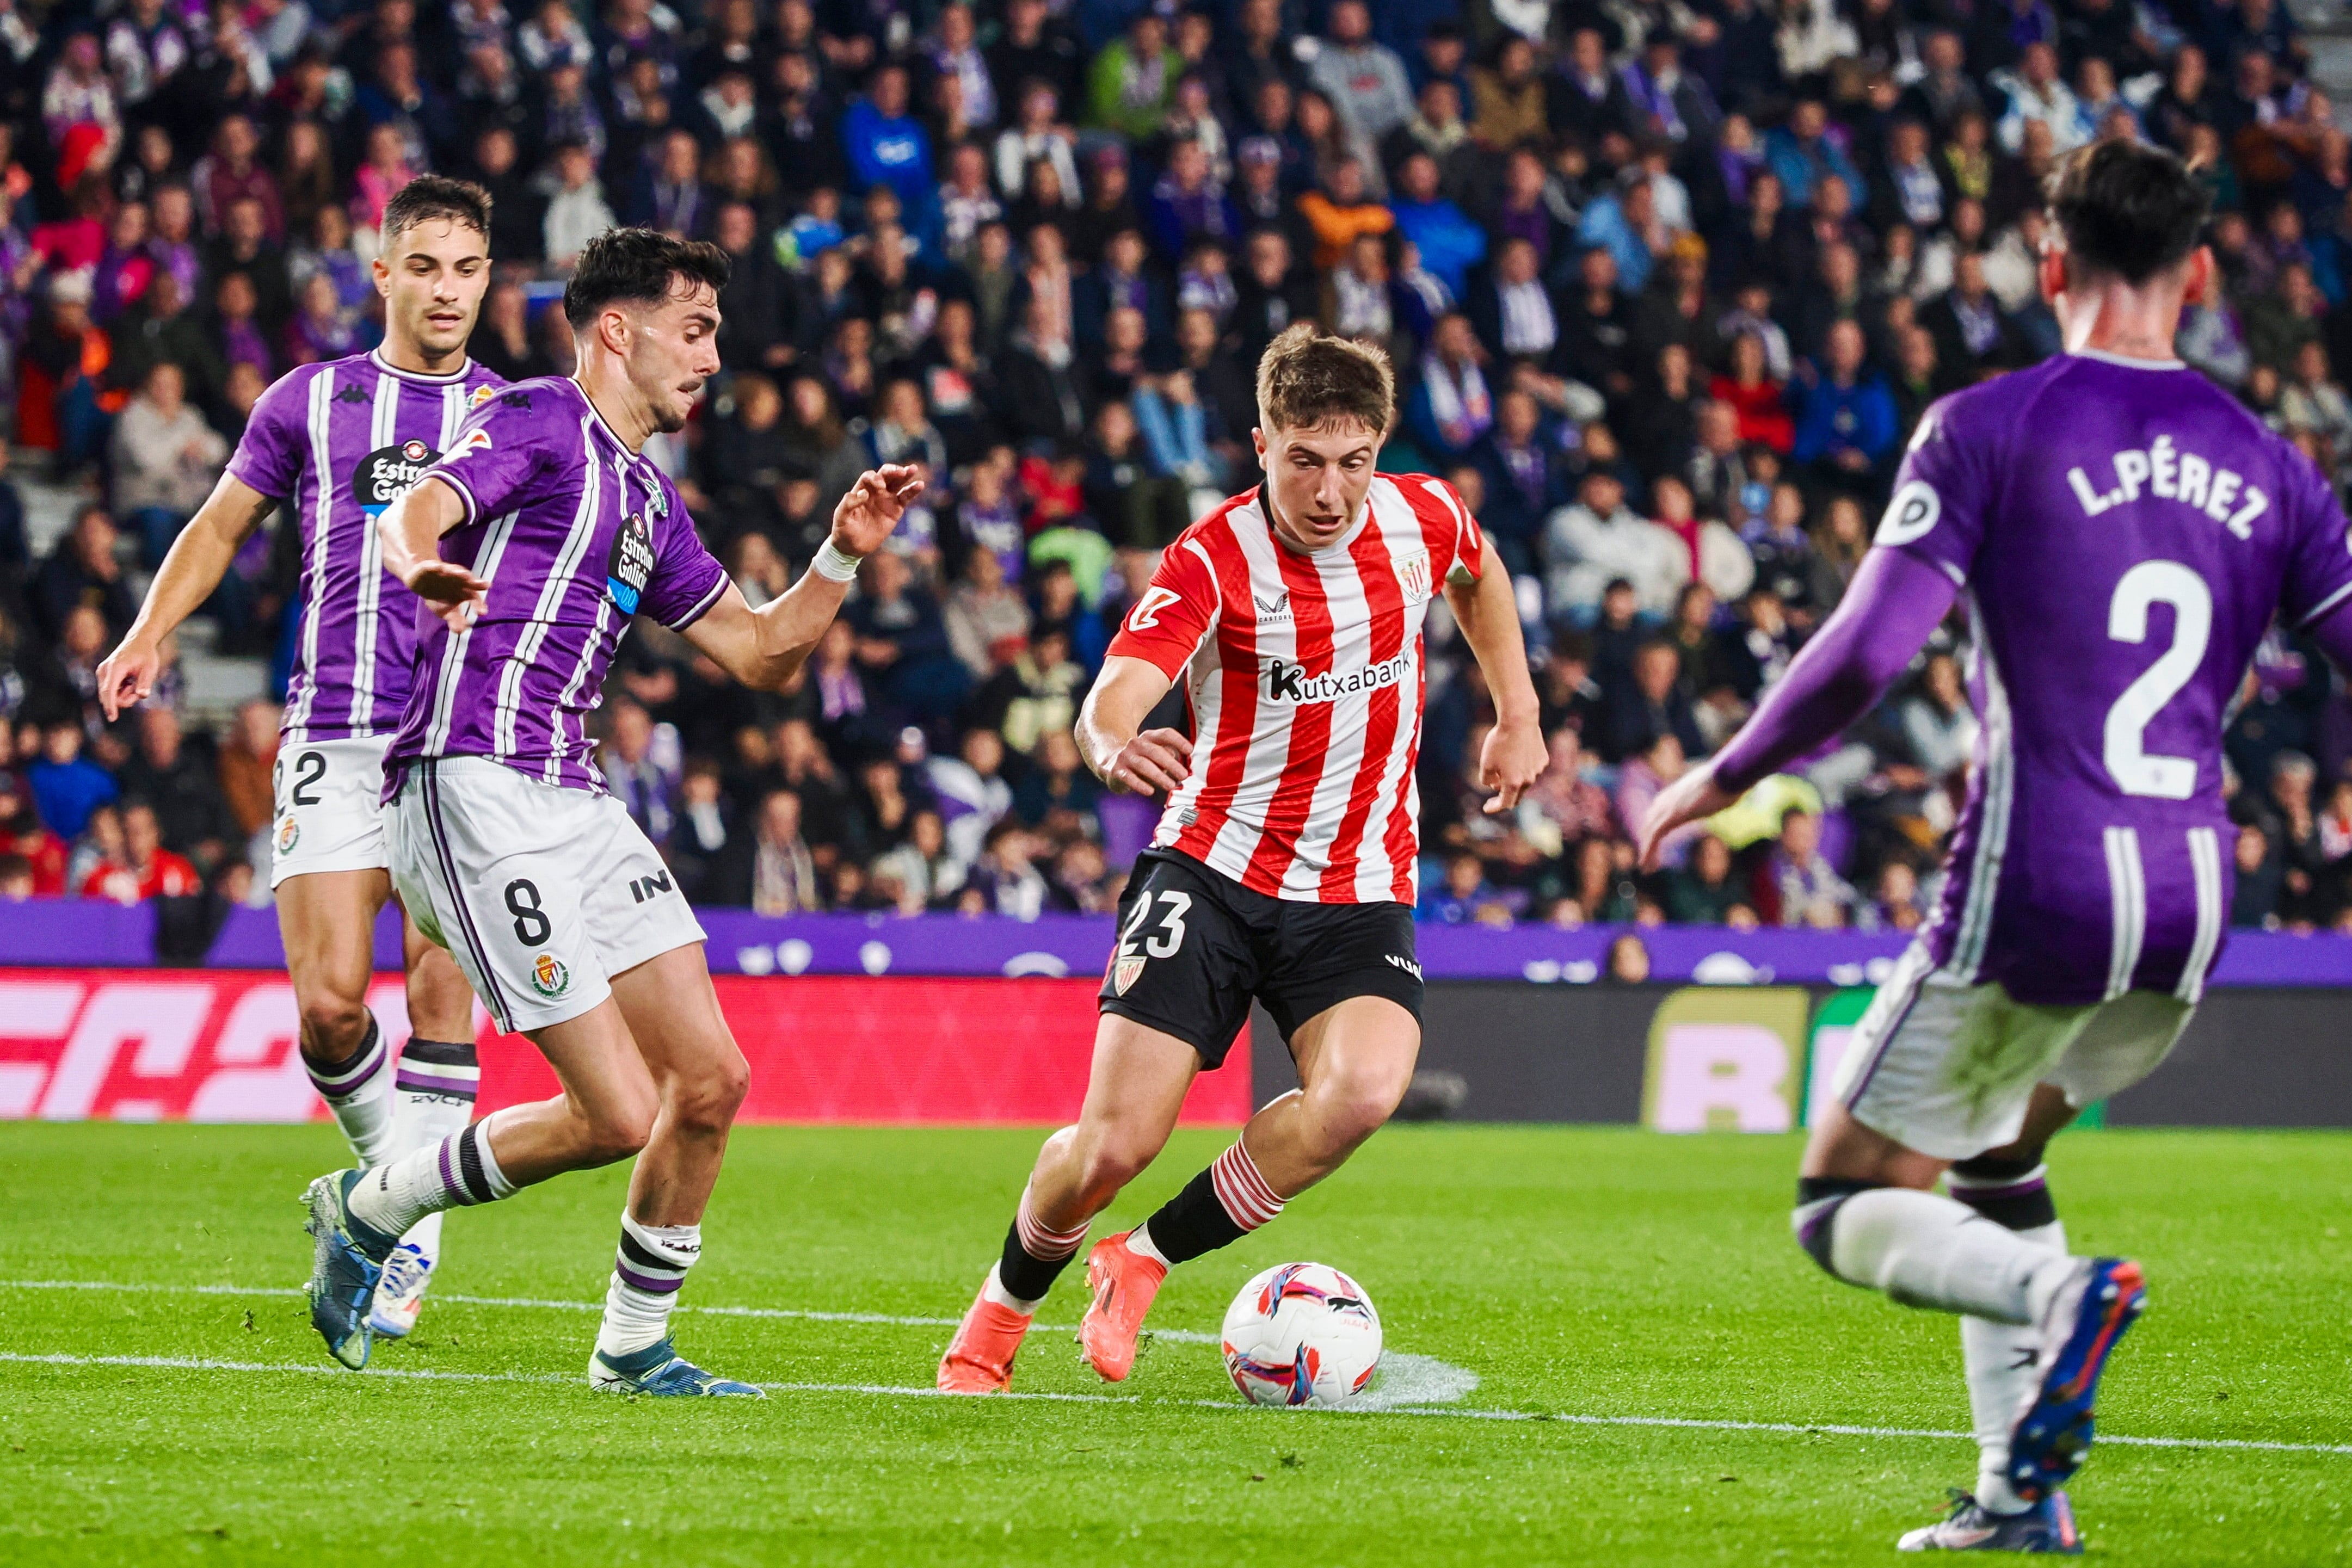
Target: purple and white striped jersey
{"points": [[575, 534], [339, 441], [2125, 533]]}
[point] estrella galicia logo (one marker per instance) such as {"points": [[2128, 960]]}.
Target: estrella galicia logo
{"points": [[633, 562], [387, 471]]}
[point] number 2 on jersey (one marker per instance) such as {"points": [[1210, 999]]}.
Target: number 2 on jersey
{"points": [[1165, 941], [2135, 769]]}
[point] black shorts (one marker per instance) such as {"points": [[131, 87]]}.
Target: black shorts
{"points": [[1194, 946]]}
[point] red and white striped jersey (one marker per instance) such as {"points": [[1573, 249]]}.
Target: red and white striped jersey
{"points": [[1305, 676]]}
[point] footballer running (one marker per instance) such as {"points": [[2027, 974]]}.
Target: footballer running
{"points": [[1285, 866], [337, 442], [2121, 533]]}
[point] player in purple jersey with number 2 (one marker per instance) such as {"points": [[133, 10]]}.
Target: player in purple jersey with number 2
{"points": [[2120, 533], [336, 442], [535, 539]]}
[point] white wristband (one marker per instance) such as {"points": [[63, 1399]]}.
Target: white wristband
{"points": [[835, 564]]}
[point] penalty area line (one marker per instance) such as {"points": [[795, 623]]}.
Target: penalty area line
{"points": [[901, 1391]]}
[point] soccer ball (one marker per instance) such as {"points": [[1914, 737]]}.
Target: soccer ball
{"points": [[1301, 1334]]}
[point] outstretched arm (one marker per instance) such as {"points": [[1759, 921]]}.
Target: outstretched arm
{"points": [[1896, 599], [764, 647], [1514, 754], [199, 558], [411, 530]]}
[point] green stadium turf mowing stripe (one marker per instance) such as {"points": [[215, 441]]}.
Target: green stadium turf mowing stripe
{"points": [[1788, 1428]]}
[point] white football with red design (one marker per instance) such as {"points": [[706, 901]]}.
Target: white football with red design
{"points": [[1302, 1334]]}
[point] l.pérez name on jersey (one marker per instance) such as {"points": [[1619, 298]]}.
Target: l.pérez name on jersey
{"points": [[1289, 683], [2221, 494], [384, 472]]}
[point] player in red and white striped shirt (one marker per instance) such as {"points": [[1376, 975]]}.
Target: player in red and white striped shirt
{"points": [[1284, 869]]}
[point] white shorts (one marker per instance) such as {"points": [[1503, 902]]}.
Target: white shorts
{"points": [[541, 894], [1948, 1068], [328, 814]]}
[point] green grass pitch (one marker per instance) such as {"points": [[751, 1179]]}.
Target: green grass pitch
{"points": [[1577, 1272]]}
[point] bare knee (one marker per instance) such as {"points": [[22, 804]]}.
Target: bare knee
{"points": [[332, 1024], [1110, 1158], [606, 1134], [1343, 1113], [708, 1103]]}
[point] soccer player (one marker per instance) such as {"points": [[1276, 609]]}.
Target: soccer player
{"points": [[2121, 532], [534, 540], [1285, 867], [337, 442]]}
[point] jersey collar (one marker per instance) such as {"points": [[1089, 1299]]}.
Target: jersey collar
{"points": [[375, 357], [2130, 361]]}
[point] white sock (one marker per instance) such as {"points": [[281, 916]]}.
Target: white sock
{"points": [[432, 1099], [2004, 1368], [994, 1290], [458, 1171], [1139, 1241], [1926, 1250], [358, 1090], [648, 1273]]}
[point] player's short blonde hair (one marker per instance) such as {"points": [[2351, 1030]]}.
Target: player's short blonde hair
{"points": [[1307, 381]]}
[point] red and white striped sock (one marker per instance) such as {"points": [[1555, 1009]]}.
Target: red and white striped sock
{"points": [[1033, 1255], [1216, 1209]]}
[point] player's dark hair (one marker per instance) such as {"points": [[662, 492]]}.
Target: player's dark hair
{"points": [[638, 266], [433, 198], [2126, 210]]}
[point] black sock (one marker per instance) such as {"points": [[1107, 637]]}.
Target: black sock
{"points": [[1192, 1222], [1024, 1276]]}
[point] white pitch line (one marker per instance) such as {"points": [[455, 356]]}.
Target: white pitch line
{"points": [[907, 1391], [1428, 1380]]}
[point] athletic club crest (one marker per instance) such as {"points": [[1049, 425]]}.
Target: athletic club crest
{"points": [[1412, 576], [549, 977], [1125, 972]]}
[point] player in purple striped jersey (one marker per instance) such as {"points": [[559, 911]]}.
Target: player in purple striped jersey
{"points": [[2121, 533], [536, 540], [336, 442]]}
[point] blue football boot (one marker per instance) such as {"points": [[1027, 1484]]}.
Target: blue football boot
{"points": [[660, 1371], [2091, 1313], [345, 1264], [2047, 1526]]}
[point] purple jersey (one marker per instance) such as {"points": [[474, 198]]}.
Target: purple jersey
{"points": [[338, 441], [575, 534], [2123, 533]]}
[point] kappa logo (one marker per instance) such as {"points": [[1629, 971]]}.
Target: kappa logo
{"points": [[548, 976], [351, 394], [516, 400], [1125, 972]]}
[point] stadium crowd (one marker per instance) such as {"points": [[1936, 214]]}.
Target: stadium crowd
{"points": [[1667, 283]]}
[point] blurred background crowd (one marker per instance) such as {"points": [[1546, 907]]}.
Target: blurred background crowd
{"points": [[1667, 283]]}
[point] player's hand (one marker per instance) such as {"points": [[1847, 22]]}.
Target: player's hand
{"points": [[1693, 798], [1156, 759], [1513, 759], [874, 505], [127, 675], [456, 594]]}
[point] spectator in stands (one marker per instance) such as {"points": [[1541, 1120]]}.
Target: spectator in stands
{"points": [[1598, 542], [82, 570], [642, 764], [165, 461], [179, 787], [1796, 884], [24, 840], [68, 786], [1845, 416], [141, 868]]}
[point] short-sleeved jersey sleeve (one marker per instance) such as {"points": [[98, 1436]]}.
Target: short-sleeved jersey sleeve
{"points": [[500, 448], [269, 455], [1941, 494], [1176, 611], [2319, 546], [686, 578], [1468, 558]]}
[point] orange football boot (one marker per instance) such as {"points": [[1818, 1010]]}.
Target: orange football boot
{"points": [[979, 1359], [1120, 1283]]}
